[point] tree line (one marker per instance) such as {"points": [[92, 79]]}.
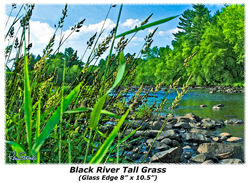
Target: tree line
{"points": [[211, 48]]}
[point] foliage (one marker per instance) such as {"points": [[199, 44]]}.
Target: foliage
{"points": [[55, 103], [218, 45]]}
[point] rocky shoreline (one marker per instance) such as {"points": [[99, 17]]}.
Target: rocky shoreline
{"points": [[211, 89], [185, 139]]}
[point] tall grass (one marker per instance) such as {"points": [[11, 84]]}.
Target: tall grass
{"points": [[64, 126]]}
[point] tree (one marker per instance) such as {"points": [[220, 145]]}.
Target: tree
{"points": [[232, 22]]}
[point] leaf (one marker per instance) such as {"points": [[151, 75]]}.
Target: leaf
{"points": [[129, 135], [18, 149], [27, 99], [146, 26], [53, 120], [96, 112], [120, 73], [83, 109], [104, 148]]}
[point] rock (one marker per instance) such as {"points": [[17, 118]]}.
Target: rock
{"points": [[168, 134], [169, 156], [202, 131], [196, 137], [137, 133], [106, 128], [167, 141], [210, 123], [224, 135], [200, 158], [192, 115], [212, 90], [157, 144], [172, 121], [187, 154], [158, 124], [219, 105], [231, 161], [221, 150], [216, 108], [170, 116], [216, 139], [138, 123], [175, 143], [187, 147], [234, 139], [150, 141], [183, 119], [203, 105], [184, 125], [208, 162], [152, 133], [161, 117], [162, 148], [233, 121]]}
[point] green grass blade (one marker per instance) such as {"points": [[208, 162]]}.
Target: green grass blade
{"points": [[147, 26], [120, 73], [27, 99], [91, 143], [69, 150], [96, 112], [104, 148], [83, 109], [18, 149], [110, 51], [129, 135], [54, 120], [38, 127]]}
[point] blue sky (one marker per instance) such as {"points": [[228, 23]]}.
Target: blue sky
{"points": [[46, 15]]}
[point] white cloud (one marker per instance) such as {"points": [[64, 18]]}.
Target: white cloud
{"points": [[150, 30], [131, 23], [137, 39], [109, 24], [41, 32], [161, 33], [173, 30], [168, 33]]}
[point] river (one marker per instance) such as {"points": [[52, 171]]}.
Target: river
{"points": [[233, 106]]}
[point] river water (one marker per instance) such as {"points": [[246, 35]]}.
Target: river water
{"points": [[234, 107]]}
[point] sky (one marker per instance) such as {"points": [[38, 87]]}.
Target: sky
{"points": [[43, 19], [46, 15]]}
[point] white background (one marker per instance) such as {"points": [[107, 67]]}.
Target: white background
{"points": [[175, 172]]}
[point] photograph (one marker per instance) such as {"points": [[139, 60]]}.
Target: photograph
{"points": [[122, 91]]}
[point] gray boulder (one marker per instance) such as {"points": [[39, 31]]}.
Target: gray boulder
{"points": [[196, 137], [233, 121], [222, 151], [167, 141], [169, 156], [168, 134], [184, 125], [200, 158], [231, 161]]}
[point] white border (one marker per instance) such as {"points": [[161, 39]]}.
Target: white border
{"points": [[175, 172]]}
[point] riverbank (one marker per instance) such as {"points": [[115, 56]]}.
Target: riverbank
{"points": [[184, 139], [210, 89]]}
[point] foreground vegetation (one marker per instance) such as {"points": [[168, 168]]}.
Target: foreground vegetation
{"points": [[57, 106], [58, 124]]}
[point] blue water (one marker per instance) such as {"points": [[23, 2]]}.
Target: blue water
{"points": [[234, 105]]}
